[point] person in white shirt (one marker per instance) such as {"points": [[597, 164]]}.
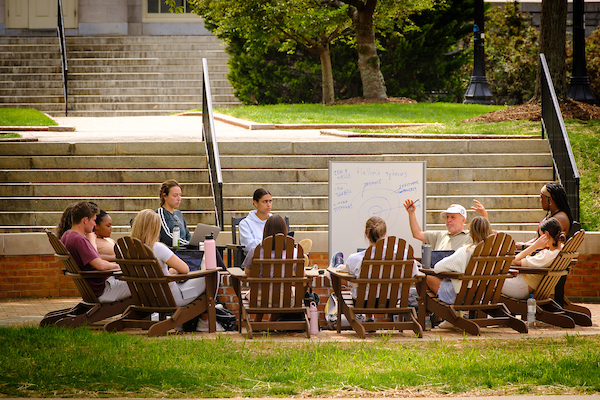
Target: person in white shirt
{"points": [[549, 244], [447, 289], [252, 227]]}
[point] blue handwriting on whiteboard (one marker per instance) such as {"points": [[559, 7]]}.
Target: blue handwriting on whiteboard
{"points": [[395, 174]]}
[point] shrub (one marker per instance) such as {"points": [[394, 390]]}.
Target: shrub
{"points": [[592, 54], [511, 49]]}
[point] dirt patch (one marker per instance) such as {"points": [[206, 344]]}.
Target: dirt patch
{"points": [[533, 111], [362, 100]]}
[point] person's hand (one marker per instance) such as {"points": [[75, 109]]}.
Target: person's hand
{"points": [[542, 241], [409, 205], [479, 208], [173, 271]]}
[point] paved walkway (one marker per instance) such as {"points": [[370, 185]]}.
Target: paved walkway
{"points": [[18, 312]]}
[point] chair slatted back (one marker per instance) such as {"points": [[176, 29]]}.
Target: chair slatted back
{"points": [[559, 266], [73, 270], [235, 221], [274, 272], [143, 274], [487, 270], [385, 274]]}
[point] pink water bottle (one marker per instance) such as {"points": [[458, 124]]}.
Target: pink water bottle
{"points": [[210, 252], [314, 318]]}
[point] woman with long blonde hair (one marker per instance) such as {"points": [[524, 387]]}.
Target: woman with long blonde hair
{"points": [[146, 228]]}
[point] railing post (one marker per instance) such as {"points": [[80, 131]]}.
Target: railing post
{"points": [[63, 53], [553, 124], [212, 148]]}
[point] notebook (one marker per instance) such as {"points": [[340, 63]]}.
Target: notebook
{"points": [[200, 233]]}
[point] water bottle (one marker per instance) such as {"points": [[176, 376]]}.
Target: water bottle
{"points": [[426, 256], [314, 318], [427, 323], [176, 236], [210, 252], [531, 309]]}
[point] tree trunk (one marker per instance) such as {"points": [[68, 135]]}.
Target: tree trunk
{"points": [[553, 38], [368, 60], [326, 75]]}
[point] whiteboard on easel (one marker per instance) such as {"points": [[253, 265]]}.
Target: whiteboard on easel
{"points": [[359, 190]]}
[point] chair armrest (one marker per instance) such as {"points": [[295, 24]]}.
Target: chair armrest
{"points": [[100, 273], [192, 275], [232, 246], [529, 270], [449, 275], [237, 272], [340, 274]]}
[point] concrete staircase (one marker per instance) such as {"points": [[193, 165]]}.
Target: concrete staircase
{"points": [[113, 76], [40, 179]]}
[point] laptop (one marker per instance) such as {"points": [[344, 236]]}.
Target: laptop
{"points": [[437, 255], [193, 258], [200, 234]]}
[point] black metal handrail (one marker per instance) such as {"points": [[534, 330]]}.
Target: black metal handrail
{"points": [[63, 52], [212, 148], [553, 127]]}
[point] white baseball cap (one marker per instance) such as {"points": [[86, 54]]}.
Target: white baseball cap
{"points": [[455, 209]]}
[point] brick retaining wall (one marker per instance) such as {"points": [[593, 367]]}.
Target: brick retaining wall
{"points": [[41, 276]]}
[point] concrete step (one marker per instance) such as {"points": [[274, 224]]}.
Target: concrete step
{"points": [[432, 160], [386, 146], [93, 189], [101, 161], [123, 217], [104, 175]]}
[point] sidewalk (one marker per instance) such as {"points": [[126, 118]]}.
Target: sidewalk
{"points": [[19, 312]]}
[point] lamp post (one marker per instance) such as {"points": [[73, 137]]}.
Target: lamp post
{"points": [[579, 84], [478, 91]]}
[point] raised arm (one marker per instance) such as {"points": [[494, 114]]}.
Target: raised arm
{"points": [[415, 229]]}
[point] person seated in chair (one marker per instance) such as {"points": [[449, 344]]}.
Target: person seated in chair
{"points": [[104, 243], [455, 236], [252, 227], [273, 225], [447, 289], [83, 251], [147, 228], [549, 244], [170, 216], [553, 198], [375, 229]]}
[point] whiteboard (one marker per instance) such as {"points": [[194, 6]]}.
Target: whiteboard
{"points": [[359, 190]]}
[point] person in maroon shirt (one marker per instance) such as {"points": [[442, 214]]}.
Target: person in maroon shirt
{"points": [[80, 241]]}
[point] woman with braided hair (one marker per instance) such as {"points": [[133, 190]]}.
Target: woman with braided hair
{"points": [[554, 201]]}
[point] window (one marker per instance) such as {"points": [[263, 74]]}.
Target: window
{"points": [[156, 10]]}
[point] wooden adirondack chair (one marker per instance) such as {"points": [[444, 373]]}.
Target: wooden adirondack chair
{"points": [[152, 294], [382, 288], [277, 285], [89, 310], [482, 283], [548, 310]]}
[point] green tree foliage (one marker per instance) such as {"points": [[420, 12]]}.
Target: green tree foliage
{"points": [[511, 49], [422, 58], [592, 55]]}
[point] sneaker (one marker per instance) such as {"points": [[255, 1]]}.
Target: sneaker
{"points": [[203, 326], [337, 259], [446, 325]]}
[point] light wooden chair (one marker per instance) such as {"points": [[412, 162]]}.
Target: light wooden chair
{"points": [[481, 288], [548, 310], [277, 285], [152, 294], [381, 288]]}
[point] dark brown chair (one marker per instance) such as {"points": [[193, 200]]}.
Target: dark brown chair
{"points": [[151, 292], [89, 310], [548, 310], [481, 287], [382, 288], [277, 285]]}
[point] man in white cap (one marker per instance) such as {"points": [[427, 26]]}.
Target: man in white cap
{"points": [[454, 237]]}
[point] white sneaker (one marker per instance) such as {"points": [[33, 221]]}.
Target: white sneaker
{"points": [[446, 325], [203, 326]]}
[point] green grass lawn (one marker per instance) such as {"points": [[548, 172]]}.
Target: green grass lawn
{"points": [[24, 117], [388, 112], [55, 362]]}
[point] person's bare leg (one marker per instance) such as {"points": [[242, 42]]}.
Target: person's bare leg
{"points": [[433, 283]]}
